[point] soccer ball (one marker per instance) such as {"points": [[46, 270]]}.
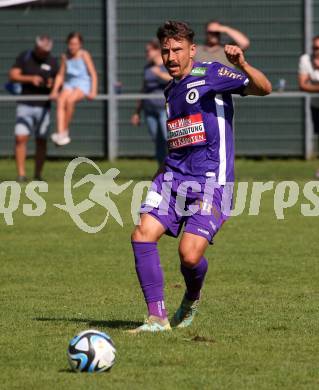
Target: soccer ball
{"points": [[91, 351]]}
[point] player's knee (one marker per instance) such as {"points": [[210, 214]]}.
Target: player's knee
{"points": [[189, 258], [143, 233], [20, 140], [139, 234]]}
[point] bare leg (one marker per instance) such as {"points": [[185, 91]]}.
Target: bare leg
{"points": [[40, 154], [71, 100], [20, 153], [61, 110], [149, 230], [191, 249]]}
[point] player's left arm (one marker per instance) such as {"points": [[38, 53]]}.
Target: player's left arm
{"points": [[258, 85], [92, 71]]}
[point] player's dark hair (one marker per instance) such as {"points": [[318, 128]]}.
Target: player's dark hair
{"points": [[75, 34], [176, 30], [315, 38]]}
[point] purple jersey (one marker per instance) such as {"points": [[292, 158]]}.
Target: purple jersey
{"points": [[199, 126]]}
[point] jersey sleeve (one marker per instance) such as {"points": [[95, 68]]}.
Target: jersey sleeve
{"points": [[225, 79]]}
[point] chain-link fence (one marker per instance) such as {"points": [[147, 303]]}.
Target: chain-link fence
{"points": [[115, 32]]}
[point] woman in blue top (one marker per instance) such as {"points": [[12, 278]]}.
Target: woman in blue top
{"points": [[155, 78], [78, 79]]}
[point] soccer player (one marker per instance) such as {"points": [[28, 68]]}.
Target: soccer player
{"points": [[199, 165]]}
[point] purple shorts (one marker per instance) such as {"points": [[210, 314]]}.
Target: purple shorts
{"points": [[177, 203]]}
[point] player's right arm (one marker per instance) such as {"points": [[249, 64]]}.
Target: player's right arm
{"points": [[258, 85]]}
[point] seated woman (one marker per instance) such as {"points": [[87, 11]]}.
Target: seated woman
{"points": [[78, 79]]}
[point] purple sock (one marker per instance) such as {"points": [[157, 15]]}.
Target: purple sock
{"points": [[150, 276], [157, 309], [194, 279]]}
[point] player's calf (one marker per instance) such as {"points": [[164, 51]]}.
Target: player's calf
{"points": [[194, 270]]}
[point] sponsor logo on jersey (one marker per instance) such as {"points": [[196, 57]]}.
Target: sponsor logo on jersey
{"points": [[228, 73], [185, 131], [192, 96], [195, 84], [198, 71]]}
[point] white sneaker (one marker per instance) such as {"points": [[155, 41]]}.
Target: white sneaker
{"points": [[64, 139], [54, 137], [61, 139], [152, 324]]}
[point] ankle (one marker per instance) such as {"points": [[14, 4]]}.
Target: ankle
{"points": [[157, 309], [192, 296]]}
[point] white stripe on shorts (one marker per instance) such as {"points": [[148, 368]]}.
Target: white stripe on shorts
{"points": [[219, 103]]}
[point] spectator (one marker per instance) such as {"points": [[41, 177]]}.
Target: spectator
{"points": [[213, 50], [155, 78], [78, 79], [309, 81], [35, 70]]}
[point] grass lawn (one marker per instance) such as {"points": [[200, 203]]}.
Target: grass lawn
{"points": [[258, 326]]}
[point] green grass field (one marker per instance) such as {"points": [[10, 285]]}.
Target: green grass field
{"points": [[258, 326]]}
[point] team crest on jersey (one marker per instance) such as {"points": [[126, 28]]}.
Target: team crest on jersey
{"points": [[192, 96]]}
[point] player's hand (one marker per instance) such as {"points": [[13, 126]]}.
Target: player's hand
{"points": [[37, 81], [135, 119], [91, 96], [235, 55]]}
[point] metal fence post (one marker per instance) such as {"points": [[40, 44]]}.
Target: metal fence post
{"points": [[308, 34], [111, 39], [309, 150]]}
